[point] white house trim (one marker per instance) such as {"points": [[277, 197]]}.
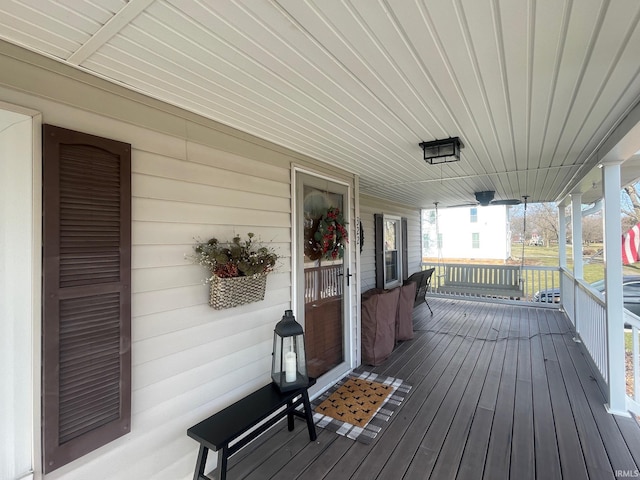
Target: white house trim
{"points": [[20, 287]]}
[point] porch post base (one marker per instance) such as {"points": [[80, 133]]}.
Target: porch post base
{"points": [[620, 413]]}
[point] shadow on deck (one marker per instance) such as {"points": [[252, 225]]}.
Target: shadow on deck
{"points": [[499, 391]]}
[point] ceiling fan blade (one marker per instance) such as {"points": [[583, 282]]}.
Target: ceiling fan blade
{"points": [[470, 204], [508, 201]]}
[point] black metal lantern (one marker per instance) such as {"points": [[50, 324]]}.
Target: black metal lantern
{"points": [[289, 367], [442, 151]]}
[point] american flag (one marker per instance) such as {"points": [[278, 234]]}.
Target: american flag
{"points": [[631, 245]]}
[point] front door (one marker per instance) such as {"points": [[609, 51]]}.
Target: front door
{"points": [[322, 268]]}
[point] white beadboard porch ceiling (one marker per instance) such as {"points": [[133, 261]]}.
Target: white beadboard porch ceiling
{"points": [[532, 87]]}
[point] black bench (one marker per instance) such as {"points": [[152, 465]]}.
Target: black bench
{"points": [[222, 428]]}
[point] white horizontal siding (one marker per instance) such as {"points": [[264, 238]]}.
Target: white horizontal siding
{"points": [[174, 190], [367, 257], [150, 210], [193, 173], [157, 233], [369, 206]]}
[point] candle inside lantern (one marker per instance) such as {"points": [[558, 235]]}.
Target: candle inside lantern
{"points": [[290, 367]]}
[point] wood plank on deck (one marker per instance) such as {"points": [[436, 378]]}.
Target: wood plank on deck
{"points": [[545, 448], [475, 449]]}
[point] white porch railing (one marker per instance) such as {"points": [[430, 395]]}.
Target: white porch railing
{"points": [[568, 295], [537, 278], [590, 320]]}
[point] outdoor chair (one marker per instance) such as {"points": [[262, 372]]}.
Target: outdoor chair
{"points": [[422, 280]]}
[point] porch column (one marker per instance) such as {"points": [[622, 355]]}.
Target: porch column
{"points": [[576, 235], [576, 249], [562, 235], [613, 286]]}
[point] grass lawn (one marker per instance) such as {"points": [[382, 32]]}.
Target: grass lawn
{"points": [[593, 265], [548, 257]]}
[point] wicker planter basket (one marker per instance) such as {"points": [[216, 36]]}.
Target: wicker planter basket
{"points": [[236, 291]]}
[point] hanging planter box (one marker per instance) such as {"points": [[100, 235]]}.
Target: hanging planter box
{"points": [[236, 291]]}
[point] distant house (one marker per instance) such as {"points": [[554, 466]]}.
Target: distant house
{"points": [[467, 232]]}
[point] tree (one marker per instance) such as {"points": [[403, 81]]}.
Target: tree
{"points": [[516, 222], [542, 218], [592, 228], [630, 206]]}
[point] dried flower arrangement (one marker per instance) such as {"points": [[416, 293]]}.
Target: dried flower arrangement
{"points": [[238, 270], [237, 258]]}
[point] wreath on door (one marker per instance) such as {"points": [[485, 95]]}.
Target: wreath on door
{"points": [[331, 235]]}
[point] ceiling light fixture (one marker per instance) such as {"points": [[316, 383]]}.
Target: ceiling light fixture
{"points": [[442, 151]]}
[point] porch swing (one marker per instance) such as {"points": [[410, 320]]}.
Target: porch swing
{"points": [[493, 281]]}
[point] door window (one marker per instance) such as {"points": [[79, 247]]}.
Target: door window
{"points": [[323, 235]]}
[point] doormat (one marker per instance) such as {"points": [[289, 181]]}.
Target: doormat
{"points": [[339, 411], [355, 402]]}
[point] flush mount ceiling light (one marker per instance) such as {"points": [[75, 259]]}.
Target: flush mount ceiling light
{"points": [[442, 151]]}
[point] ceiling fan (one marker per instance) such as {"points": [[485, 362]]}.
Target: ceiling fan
{"points": [[486, 198]]}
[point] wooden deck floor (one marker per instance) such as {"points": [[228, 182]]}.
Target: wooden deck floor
{"points": [[499, 392]]}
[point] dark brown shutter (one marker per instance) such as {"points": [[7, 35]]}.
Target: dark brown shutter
{"points": [[379, 249], [405, 248], [86, 293]]}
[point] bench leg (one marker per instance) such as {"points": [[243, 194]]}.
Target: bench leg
{"points": [[200, 463], [309, 415], [223, 455], [290, 424]]}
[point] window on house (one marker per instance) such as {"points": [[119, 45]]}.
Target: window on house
{"points": [[86, 325], [392, 267], [391, 250], [473, 212], [475, 240]]}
